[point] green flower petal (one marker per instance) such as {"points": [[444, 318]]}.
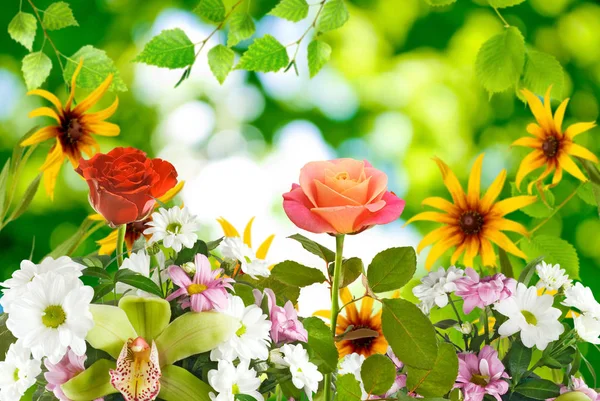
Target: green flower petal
{"points": [[92, 383], [194, 333], [177, 384], [111, 329], [148, 316]]}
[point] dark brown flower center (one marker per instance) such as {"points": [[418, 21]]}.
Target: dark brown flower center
{"points": [[550, 147], [364, 342], [471, 222]]}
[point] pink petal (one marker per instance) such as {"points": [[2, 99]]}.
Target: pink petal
{"points": [[297, 207]]}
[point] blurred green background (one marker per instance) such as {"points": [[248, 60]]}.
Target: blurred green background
{"points": [[400, 89]]}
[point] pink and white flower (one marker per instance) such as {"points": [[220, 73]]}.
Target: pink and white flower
{"points": [[59, 373], [481, 292], [579, 385], [206, 291], [481, 374], [285, 326]]}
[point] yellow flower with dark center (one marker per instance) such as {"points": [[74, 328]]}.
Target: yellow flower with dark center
{"points": [[553, 148], [471, 223], [73, 129]]}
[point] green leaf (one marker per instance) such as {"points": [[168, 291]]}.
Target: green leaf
{"points": [[504, 3], [554, 250], [3, 184], [92, 383], [292, 10], [585, 192], [102, 289], [594, 175], [194, 333], [538, 389], [293, 273], [189, 254], [528, 271], [27, 198], [320, 342], [36, 68], [378, 374], [505, 265], [245, 292], [96, 67], [220, 61], [539, 209], [541, 71], [98, 272], [241, 27], [315, 248], [212, 10], [392, 269], [111, 329], [244, 397], [58, 16], [348, 388], [6, 336], [148, 316], [410, 333], [438, 380], [500, 60], [437, 3], [265, 54], [169, 49], [22, 29], [446, 324], [283, 292], [138, 281], [351, 269], [334, 16], [519, 358], [71, 244], [319, 54], [177, 384]]}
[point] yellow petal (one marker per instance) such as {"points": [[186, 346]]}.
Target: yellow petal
{"points": [[559, 115], [458, 252], [472, 250], [537, 108], [323, 313], [228, 229], [452, 183], [351, 310], [438, 250], [73, 85], [41, 135], [475, 182], [570, 167], [171, 193], [93, 97], [488, 256], [102, 114], [96, 217], [503, 242], [531, 162], [44, 112], [55, 156], [579, 151], [509, 205], [493, 191], [546, 173], [440, 203], [263, 249], [507, 225], [366, 309], [108, 244], [48, 96], [103, 128], [557, 176], [433, 216], [536, 130], [578, 128], [51, 168], [248, 233], [436, 235], [528, 142]]}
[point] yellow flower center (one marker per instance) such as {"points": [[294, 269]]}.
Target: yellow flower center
{"points": [[16, 375], [471, 222], [235, 389], [54, 316], [241, 331], [529, 317], [550, 147], [196, 288], [480, 380], [174, 228], [342, 176]]}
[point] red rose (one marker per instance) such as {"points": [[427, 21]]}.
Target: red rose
{"points": [[124, 183]]}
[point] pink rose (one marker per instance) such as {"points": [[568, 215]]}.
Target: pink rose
{"points": [[341, 196], [285, 326]]}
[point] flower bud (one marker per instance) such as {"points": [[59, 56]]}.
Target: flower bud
{"points": [[276, 359], [153, 249], [465, 328], [189, 267]]}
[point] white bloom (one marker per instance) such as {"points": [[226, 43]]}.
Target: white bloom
{"points": [[582, 298], [53, 315], [552, 277], [18, 372], [175, 227], [588, 328], [229, 380], [436, 286], [305, 375], [532, 315], [189, 267], [351, 364], [252, 338], [140, 263], [17, 285], [234, 248]]}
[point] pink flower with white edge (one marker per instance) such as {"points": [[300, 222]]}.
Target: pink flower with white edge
{"points": [[481, 292], [481, 374], [206, 291], [285, 326], [58, 374], [579, 386]]}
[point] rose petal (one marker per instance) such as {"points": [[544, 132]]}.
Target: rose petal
{"points": [[297, 207], [393, 208], [342, 218]]}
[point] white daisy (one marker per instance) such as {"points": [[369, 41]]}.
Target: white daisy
{"points": [[17, 285], [305, 375], [532, 315], [582, 298], [587, 328], [53, 315], [175, 227], [252, 338], [552, 277], [18, 372], [140, 263], [229, 380], [352, 364], [234, 248], [436, 286]]}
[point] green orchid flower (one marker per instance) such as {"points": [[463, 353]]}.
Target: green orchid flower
{"points": [[143, 372]]}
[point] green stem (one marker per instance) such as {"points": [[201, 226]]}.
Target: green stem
{"points": [[506, 24], [459, 319], [335, 307], [486, 326], [120, 241]]}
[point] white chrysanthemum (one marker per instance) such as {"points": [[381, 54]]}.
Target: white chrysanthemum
{"points": [[587, 328], [138, 262], [436, 286], [53, 315], [234, 248], [252, 338], [552, 277], [17, 285], [229, 380], [351, 364], [175, 227], [18, 372], [305, 375], [582, 298], [532, 315]]}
